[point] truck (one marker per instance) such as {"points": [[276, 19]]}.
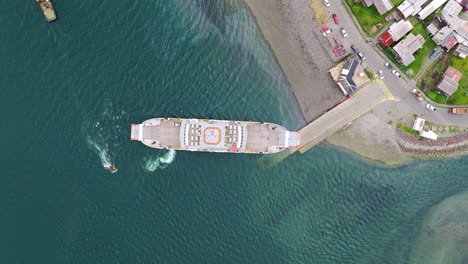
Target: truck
{"points": [[459, 110], [418, 94]]}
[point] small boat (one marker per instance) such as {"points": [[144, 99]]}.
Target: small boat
{"points": [[112, 168], [47, 9]]}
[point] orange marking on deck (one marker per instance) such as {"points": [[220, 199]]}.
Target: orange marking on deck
{"points": [[212, 131]]}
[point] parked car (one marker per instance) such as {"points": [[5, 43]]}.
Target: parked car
{"points": [[324, 28], [343, 31], [431, 108], [338, 48], [396, 74], [354, 48], [381, 76], [361, 55], [388, 65], [328, 31], [418, 94], [335, 18], [340, 53], [326, 3]]}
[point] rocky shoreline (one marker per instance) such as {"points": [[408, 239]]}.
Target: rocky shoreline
{"points": [[426, 148]]}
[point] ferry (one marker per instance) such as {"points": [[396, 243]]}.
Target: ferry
{"points": [[208, 135], [47, 9]]}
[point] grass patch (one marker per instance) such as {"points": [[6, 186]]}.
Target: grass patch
{"points": [[461, 95], [407, 129], [437, 97], [366, 16], [420, 57], [370, 74], [397, 2], [390, 122], [454, 130], [429, 123]]}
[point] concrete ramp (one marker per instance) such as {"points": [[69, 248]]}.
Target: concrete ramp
{"points": [[342, 115]]}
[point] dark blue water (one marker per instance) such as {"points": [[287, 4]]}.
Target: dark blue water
{"points": [[70, 90]]}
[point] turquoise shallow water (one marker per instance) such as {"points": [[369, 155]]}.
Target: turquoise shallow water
{"points": [[71, 90]]}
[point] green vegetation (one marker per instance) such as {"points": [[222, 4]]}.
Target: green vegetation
{"points": [[436, 97], [390, 122], [397, 2], [429, 123], [454, 130], [407, 129], [461, 95], [366, 16], [420, 56], [370, 74]]}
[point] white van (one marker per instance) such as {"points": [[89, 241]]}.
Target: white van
{"points": [[327, 3]]}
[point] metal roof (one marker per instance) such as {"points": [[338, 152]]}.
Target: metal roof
{"points": [[399, 29], [405, 48]]}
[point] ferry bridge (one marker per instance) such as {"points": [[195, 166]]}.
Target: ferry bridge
{"points": [[337, 118]]}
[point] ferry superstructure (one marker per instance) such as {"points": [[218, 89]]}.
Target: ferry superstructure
{"points": [[214, 135]]}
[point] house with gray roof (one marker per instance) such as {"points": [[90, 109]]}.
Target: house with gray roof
{"points": [[345, 81], [449, 83], [382, 6], [445, 38], [399, 29], [461, 51], [430, 8], [450, 13], [410, 7], [435, 25], [405, 49]]}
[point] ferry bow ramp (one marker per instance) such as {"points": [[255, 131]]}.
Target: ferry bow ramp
{"points": [[214, 135]]}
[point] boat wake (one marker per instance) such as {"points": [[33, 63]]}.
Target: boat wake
{"points": [[161, 162], [102, 152]]}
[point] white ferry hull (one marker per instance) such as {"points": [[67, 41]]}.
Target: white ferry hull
{"points": [[214, 135]]}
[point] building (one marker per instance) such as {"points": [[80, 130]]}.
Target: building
{"points": [[395, 32], [461, 32], [410, 7], [428, 134], [449, 83], [419, 124], [382, 6], [435, 25], [386, 39], [430, 8], [345, 81], [464, 4], [400, 29], [445, 38], [461, 51], [404, 49], [450, 13]]}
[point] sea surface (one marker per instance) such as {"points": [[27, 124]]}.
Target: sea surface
{"points": [[69, 92]]}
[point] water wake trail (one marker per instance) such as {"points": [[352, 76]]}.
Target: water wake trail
{"points": [[102, 152], [152, 164]]}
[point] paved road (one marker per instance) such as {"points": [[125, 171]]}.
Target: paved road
{"points": [[399, 87]]}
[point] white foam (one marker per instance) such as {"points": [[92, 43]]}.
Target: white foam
{"points": [[102, 153], [152, 164]]}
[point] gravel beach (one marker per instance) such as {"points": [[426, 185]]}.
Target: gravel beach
{"points": [[288, 26]]}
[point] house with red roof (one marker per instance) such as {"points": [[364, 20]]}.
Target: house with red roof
{"points": [[449, 83]]}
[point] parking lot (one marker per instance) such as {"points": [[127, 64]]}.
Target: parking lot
{"points": [[334, 39]]}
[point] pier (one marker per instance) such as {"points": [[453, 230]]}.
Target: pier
{"points": [[342, 115], [337, 118]]}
